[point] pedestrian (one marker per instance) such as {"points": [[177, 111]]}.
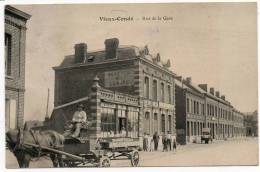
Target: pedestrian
{"points": [[169, 141], [156, 139], [174, 143], [151, 145], [145, 142], [164, 142]]}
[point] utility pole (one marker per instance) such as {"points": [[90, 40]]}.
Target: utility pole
{"points": [[47, 107]]}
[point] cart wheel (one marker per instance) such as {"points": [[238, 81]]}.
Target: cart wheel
{"points": [[104, 161], [134, 158]]}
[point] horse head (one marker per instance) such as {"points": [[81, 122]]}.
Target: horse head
{"points": [[12, 138]]}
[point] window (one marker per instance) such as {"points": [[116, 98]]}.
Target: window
{"points": [[10, 113], [169, 123], [191, 106], [8, 55], [194, 107], [188, 105], [169, 94], [197, 107], [91, 58], [146, 87], [155, 122], [203, 110], [163, 123], [162, 92], [154, 90], [132, 123], [208, 109], [147, 123], [108, 121]]}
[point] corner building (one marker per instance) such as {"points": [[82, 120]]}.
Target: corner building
{"points": [[116, 81]]}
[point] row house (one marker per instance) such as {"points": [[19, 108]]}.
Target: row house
{"points": [[197, 108], [239, 121], [190, 111]]}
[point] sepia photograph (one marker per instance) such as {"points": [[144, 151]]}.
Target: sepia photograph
{"points": [[131, 85]]}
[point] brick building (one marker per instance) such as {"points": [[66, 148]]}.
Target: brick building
{"points": [[197, 108], [190, 111], [15, 34], [238, 123], [251, 123], [132, 84]]}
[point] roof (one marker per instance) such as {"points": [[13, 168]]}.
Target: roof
{"points": [[194, 87], [17, 12], [189, 87], [124, 52], [98, 56]]}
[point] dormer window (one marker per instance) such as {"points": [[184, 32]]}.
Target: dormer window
{"points": [[91, 58]]}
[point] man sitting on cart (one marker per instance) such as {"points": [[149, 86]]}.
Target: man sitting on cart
{"points": [[79, 121]]}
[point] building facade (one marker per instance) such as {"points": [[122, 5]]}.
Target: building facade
{"points": [[15, 34], [197, 108], [239, 128], [128, 70], [251, 123], [190, 111]]}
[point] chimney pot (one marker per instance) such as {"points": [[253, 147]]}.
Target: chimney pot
{"points": [[204, 87], [223, 97], [80, 52], [111, 46], [211, 90], [217, 94]]}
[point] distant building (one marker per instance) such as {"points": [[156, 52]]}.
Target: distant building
{"points": [[197, 108], [15, 34], [251, 123], [239, 128]]}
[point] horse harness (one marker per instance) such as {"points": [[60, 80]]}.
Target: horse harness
{"points": [[22, 147]]}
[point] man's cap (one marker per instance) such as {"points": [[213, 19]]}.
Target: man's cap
{"points": [[81, 105]]}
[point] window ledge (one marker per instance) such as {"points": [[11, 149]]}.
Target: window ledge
{"points": [[9, 77]]}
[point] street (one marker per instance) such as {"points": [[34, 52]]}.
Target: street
{"points": [[240, 151]]}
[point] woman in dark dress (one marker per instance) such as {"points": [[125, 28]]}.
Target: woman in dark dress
{"points": [[156, 139]]}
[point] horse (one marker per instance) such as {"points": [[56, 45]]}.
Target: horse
{"points": [[24, 153]]}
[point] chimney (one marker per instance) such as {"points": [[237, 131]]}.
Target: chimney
{"points": [[211, 90], [80, 52], [204, 87], [188, 80], [223, 97], [111, 46], [217, 94]]}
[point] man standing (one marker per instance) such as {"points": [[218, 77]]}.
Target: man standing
{"points": [[79, 118], [174, 143], [156, 139], [169, 141]]}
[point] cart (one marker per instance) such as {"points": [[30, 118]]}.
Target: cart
{"points": [[77, 152]]}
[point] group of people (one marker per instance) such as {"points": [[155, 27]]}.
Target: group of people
{"points": [[151, 143]]}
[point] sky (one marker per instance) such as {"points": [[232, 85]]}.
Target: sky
{"points": [[213, 43]]}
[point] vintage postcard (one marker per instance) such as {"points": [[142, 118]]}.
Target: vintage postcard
{"points": [[131, 85]]}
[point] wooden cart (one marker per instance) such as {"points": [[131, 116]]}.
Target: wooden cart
{"points": [[77, 151]]}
